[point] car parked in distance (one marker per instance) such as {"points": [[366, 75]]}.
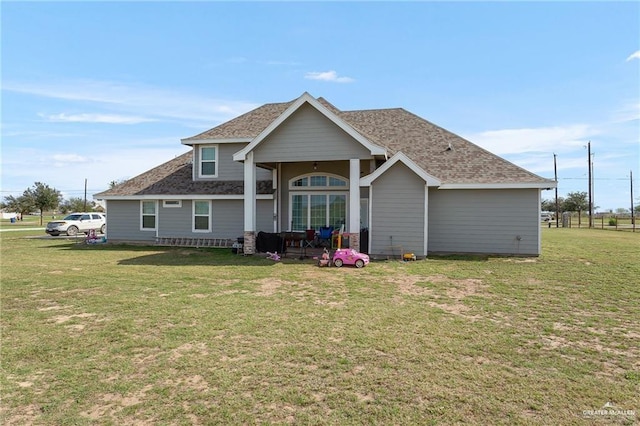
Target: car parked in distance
{"points": [[78, 222], [546, 217]]}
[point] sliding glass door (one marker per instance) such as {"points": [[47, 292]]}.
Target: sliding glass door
{"points": [[314, 210]]}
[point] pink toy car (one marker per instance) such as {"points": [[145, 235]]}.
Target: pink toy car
{"points": [[350, 257]]}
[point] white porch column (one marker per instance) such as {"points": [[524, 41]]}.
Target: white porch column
{"points": [[249, 204], [275, 175], [354, 203], [426, 219]]}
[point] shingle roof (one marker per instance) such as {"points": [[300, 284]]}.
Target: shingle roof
{"points": [[398, 130], [444, 155], [247, 125], [175, 178]]}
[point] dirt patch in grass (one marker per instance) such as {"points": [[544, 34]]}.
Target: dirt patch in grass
{"points": [[196, 383], [110, 404], [26, 416], [59, 319], [555, 342], [521, 260], [455, 291], [53, 308], [199, 349], [269, 286]]}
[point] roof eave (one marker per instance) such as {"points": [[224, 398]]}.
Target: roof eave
{"points": [[510, 185], [207, 141], [182, 197]]}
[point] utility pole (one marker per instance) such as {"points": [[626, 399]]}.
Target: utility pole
{"points": [[633, 220], [85, 195], [555, 173], [590, 195]]}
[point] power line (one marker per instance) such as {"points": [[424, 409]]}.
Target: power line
{"points": [[584, 178]]}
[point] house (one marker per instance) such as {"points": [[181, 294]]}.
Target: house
{"points": [[7, 215], [408, 184]]}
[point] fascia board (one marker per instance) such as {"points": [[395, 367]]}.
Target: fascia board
{"points": [[183, 197], [524, 185], [192, 142]]}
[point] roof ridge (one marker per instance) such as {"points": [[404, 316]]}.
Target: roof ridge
{"points": [[375, 109]]}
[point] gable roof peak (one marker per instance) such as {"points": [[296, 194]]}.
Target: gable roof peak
{"points": [[333, 115]]}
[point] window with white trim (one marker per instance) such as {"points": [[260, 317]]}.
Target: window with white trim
{"points": [[208, 163], [148, 215], [316, 201], [201, 216]]}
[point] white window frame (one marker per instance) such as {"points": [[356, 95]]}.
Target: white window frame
{"points": [[325, 190], [309, 187], [215, 161], [142, 214], [193, 216], [308, 194], [171, 204]]}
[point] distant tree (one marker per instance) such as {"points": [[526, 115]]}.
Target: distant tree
{"points": [[576, 202], [115, 183], [622, 210], [75, 204], [550, 205], [44, 197], [22, 204], [636, 210]]}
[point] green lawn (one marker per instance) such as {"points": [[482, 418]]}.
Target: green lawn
{"points": [[147, 335]]}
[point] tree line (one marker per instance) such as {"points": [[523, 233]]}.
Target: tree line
{"points": [[577, 202], [41, 197]]}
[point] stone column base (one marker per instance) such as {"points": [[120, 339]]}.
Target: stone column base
{"points": [[249, 242], [354, 241]]}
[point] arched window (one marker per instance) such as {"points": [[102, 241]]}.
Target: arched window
{"points": [[318, 181], [317, 200]]}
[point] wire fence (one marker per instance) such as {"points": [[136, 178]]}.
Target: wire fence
{"points": [[611, 222]]}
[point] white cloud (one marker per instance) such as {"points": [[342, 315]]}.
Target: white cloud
{"points": [[629, 112], [97, 118], [542, 139], [634, 55], [63, 160], [328, 76], [138, 100], [67, 171]]}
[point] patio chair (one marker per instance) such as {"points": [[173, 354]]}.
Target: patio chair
{"points": [[324, 236], [310, 238]]}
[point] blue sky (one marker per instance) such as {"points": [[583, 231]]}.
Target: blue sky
{"points": [[104, 91]]}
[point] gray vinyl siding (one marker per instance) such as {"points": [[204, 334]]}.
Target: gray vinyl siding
{"points": [[226, 167], [264, 216], [484, 221], [123, 220], [397, 214], [307, 135]]}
